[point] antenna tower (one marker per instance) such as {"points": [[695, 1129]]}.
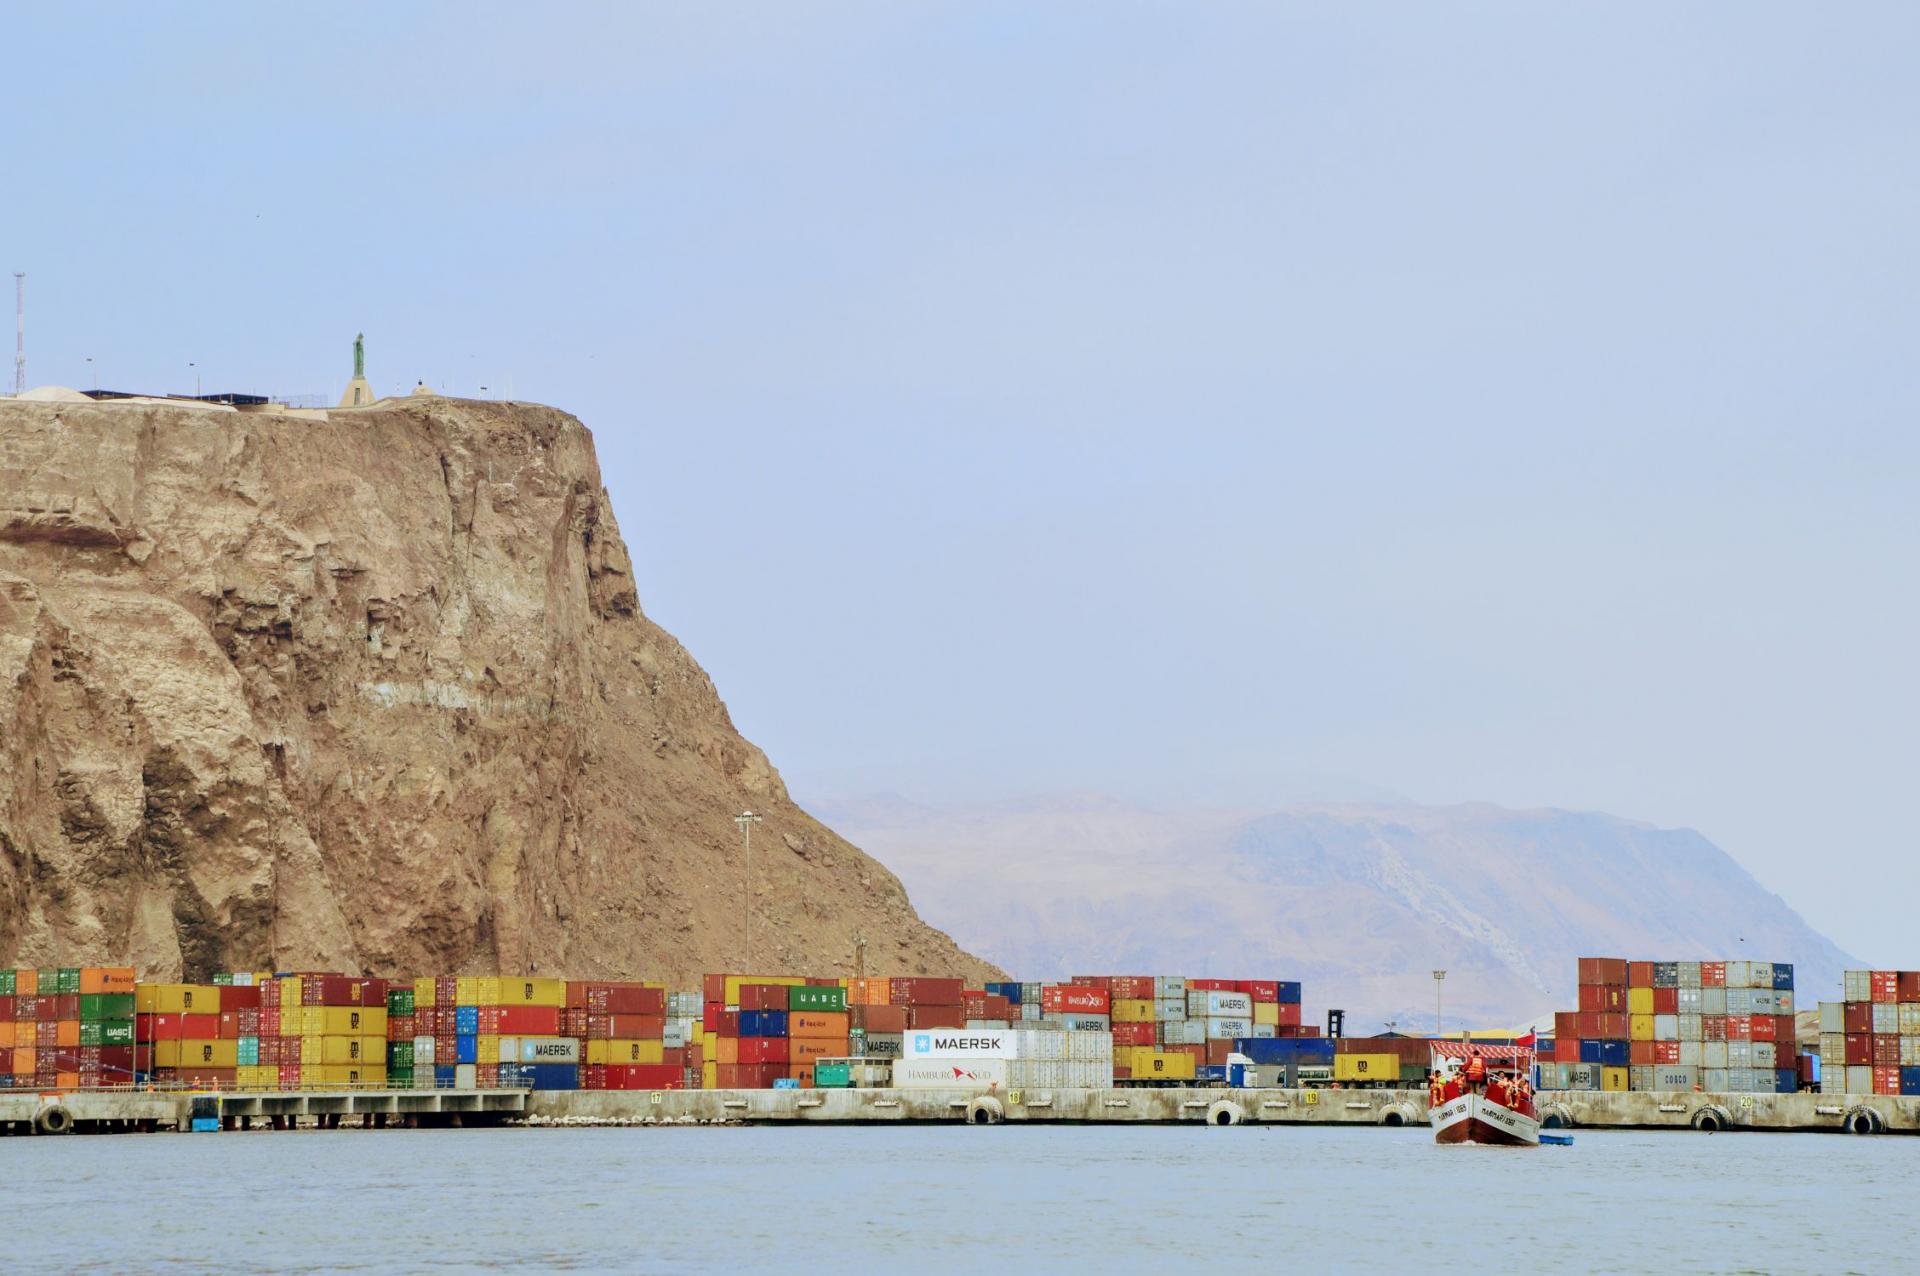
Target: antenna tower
{"points": [[19, 332]]}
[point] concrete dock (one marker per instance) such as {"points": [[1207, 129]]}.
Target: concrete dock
{"points": [[119, 1110]]}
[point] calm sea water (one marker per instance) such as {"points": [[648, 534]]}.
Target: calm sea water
{"points": [[960, 1199]]}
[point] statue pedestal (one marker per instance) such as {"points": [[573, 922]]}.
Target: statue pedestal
{"points": [[359, 394]]}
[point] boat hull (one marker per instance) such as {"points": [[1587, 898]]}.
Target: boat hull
{"points": [[1474, 1118]]}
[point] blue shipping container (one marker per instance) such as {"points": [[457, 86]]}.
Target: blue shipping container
{"points": [[1312, 1051], [466, 1049], [1786, 1081], [1910, 1081], [763, 1023], [1782, 977], [443, 1076], [550, 1076], [1289, 993], [1010, 991], [1210, 1072], [1614, 1054], [1590, 1050], [466, 1022]]}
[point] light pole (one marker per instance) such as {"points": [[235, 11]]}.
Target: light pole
{"points": [[1438, 977], [745, 821], [196, 379]]}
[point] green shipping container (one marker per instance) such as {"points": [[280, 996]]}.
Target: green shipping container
{"points": [[399, 1055], [832, 1076], [9, 982], [69, 981], [247, 1052], [399, 1078], [399, 1001], [106, 1005], [824, 999], [223, 979], [115, 1032]]}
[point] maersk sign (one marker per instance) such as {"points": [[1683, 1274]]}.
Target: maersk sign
{"points": [[959, 1043]]}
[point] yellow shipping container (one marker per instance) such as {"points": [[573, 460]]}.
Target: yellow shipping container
{"points": [[335, 1051], [626, 1051], [257, 1078], [466, 990], [344, 1077], [1132, 1010], [1640, 1027], [1148, 1062], [1640, 1001], [423, 991], [532, 992], [1613, 1078], [488, 1047], [289, 991], [176, 999], [1366, 1067], [192, 1053], [1266, 1012], [734, 982], [709, 1076], [346, 1021]]}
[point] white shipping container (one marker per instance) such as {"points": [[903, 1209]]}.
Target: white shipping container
{"points": [[1713, 1001], [1172, 987], [1833, 1051], [465, 1076], [423, 1052], [1833, 1016], [1886, 1018], [1669, 1076], [1740, 1081], [969, 1072], [1909, 1020], [1739, 1054], [1689, 974], [1666, 1027], [883, 1045], [1859, 1079], [1219, 1029], [1740, 975], [1183, 1032], [1713, 1055], [1690, 1053], [507, 1050], [1640, 1077], [1689, 1027], [1212, 1003], [1856, 985], [674, 1034], [546, 1049], [1030, 1012], [1740, 1001], [1170, 1008], [1084, 1023], [1762, 975], [1764, 1054], [1714, 1080], [1687, 1000], [1783, 1001], [1264, 1030], [1910, 1052]]}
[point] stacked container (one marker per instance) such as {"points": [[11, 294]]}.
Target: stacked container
{"points": [[66, 1027], [626, 1037], [1169, 1028], [1718, 1026], [1870, 1041], [996, 1058], [329, 1030]]}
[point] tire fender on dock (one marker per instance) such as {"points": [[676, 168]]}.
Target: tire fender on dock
{"points": [[985, 1110], [1556, 1116], [1398, 1114], [1225, 1112], [1863, 1120], [1711, 1118], [54, 1118]]}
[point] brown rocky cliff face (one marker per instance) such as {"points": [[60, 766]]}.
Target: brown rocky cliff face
{"points": [[376, 693]]}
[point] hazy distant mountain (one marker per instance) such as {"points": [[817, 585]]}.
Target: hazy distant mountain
{"points": [[1362, 902]]}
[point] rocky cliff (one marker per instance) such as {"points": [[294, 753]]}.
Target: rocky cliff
{"points": [[376, 693]]}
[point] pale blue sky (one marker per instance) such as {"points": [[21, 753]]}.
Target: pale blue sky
{"points": [[1489, 401]]}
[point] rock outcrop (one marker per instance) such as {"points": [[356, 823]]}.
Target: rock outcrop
{"points": [[376, 693]]}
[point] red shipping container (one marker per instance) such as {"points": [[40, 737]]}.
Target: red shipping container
{"points": [[67, 1006], [644, 1076], [529, 1021], [1603, 970], [1617, 1027], [329, 990], [936, 1017], [767, 997], [1886, 986], [1886, 1080], [1593, 998], [201, 1027], [1121, 1072], [1666, 1052], [1640, 1053], [1666, 1001], [1092, 981], [446, 991], [1785, 1031], [627, 999], [1075, 999], [710, 1013], [1713, 1027], [289, 1076], [1217, 1052], [1289, 1014], [239, 997], [1141, 987], [921, 991], [713, 988], [762, 1050], [1739, 1027], [759, 1076], [47, 1009], [1262, 990], [1586, 1024], [1639, 974], [626, 1027], [1886, 1050], [247, 1022], [1199, 1053], [373, 993], [7, 1007], [878, 1018], [1566, 1049], [1909, 985], [159, 1028], [674, 1056], [1214, 985], [1713, 974], [1133, 1034], [1859, 1017], [1760, 1027]]}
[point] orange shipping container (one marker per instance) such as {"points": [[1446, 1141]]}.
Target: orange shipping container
{"points": [[803, 1049], [818, 1023], [99, 979], [726, 1051], [26, 982], [6, 1034], [23, 1061], [67, 1033]]}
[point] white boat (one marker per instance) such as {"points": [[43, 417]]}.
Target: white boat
{"points": [[1496, 1110]]}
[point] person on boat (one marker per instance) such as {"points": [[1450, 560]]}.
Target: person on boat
{"points": [[1476, 1071]]}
